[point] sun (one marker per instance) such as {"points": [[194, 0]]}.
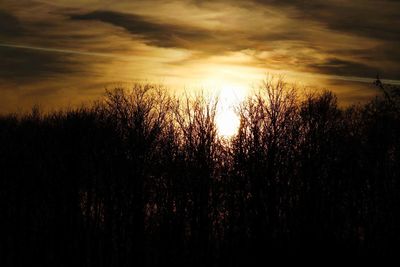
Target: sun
{"points": [[227, 123], [227, 120]]}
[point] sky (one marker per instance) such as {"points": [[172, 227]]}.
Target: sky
{"points": [[62, 53]]}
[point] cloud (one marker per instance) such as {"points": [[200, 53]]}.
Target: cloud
{"points": [[310, 48], [10, 25], [367, 18], [83, 44], [162, 34], [340, 67], [25, 65]]}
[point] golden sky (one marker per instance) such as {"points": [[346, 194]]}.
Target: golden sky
{"points": [[62, 52]]}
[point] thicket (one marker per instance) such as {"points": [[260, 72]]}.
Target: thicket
{"points": [[142, 178]]}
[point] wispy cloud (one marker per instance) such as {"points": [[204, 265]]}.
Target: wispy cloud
{"points": [[64, 51]]}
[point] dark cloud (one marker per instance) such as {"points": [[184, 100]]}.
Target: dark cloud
{"points": [[384, 57], [10, 25], [158, 33], [340, 67], [371, 24], [24, 65], [372, 19], [155, 32], [388, 51], [377, 21]]}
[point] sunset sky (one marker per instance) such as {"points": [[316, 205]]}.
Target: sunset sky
{"points": [[63, 52]]}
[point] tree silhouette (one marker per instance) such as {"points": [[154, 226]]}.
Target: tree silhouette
{"points": [[142, 178]]}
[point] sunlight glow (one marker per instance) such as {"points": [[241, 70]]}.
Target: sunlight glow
{"points": [[226, 119]]}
